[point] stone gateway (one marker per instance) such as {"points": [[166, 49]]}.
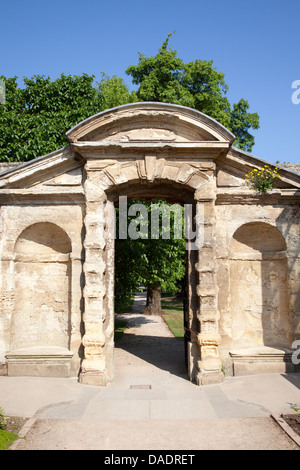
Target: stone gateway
{"points": [[57, 262]]}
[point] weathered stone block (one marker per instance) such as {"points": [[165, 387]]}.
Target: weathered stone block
{"points": [[261, 360], [39, 362]]}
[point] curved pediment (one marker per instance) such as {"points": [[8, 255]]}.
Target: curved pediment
{"points": [[148, 121]]}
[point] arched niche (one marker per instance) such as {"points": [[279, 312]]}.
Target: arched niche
{"points": [[258, 287], [41, 317], [257, 237]]}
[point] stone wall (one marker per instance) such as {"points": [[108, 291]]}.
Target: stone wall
{"points": [[4, 166], [291, 166], [258, 282], [57, 260], [41, 288]]}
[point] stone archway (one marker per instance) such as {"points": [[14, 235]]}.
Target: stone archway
{"points": [[153, 144], [144, 148], [161, 192]]}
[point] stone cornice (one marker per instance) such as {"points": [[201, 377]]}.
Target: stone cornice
{"points": [[40, 168], [105, 148], [248, 196], [139, 113], [245, 162], [60, 196]]}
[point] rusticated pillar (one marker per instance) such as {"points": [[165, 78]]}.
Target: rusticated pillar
{"points": [[94, 368], [208, 338]]}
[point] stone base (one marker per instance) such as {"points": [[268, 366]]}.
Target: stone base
{"points": [[39, 362], [191, 360], [3, 369], [93, 378], [210, 378], [261, 360]]}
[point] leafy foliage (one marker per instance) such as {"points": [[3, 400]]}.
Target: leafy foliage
{"points": [[128, 265], [197, 84], [152, 262], [262, 180], [2, 419], [34, 119], [240, 123], [114, 92]]}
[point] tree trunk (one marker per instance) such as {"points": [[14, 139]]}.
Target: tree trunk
{"points": [[153, 304]]}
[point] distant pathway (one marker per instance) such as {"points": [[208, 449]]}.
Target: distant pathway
{"points": [[139, 302], [148, 346]]}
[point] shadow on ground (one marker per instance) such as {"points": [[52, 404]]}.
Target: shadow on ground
{"points": [[164, 353], [148, 339], [294, 379]]}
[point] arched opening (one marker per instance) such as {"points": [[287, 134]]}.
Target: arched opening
{"points": [[167, 352], [259, 292], [40, 325]]}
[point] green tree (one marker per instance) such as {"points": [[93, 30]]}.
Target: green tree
{"points": [[163, 269], [157, 263], [114, 92], [35, 118], [197, 84], [240, 123], [128, 272]]}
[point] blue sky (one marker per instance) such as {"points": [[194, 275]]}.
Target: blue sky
{"points": [[255, 44]]}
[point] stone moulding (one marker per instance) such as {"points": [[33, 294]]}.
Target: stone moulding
{"points": [[39, 361], [136, 115], [262, 359], [100, 149]]}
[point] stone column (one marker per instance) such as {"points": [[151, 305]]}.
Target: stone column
{"points": [[93, 368], [109, 299], [192, 350], [208, 338]]}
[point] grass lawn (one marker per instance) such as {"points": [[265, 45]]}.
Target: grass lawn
{"points": [[9, 429], [6, 439], [173, 316]]}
